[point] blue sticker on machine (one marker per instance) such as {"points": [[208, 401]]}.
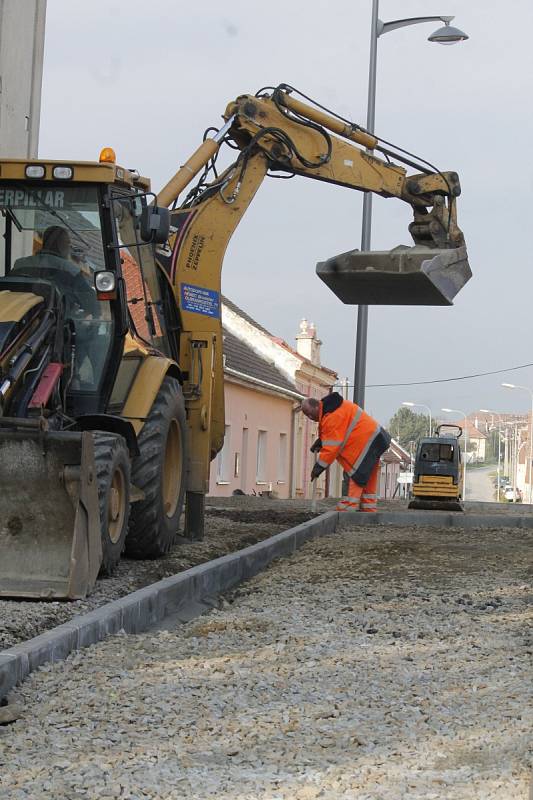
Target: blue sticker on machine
{"points": [[200, 300]]}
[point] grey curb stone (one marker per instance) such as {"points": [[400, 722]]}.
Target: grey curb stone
{"points": [[440, 519], [188, 593], [10, 672]]}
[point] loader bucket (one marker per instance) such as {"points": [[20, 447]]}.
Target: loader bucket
{"points": [[50, 543], [411, 276]]}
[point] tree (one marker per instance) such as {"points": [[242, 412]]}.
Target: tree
{"points": [[407, 427]]}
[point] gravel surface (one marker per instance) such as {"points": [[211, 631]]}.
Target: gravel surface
{"points": [[227, 530], [375, 664]]}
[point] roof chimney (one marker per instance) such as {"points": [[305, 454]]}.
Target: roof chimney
{"points": [[307, 342]]}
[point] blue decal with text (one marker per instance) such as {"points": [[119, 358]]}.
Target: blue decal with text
{"points": [[200, 300]]}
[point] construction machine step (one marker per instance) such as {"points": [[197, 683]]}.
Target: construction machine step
{"points": [[416, 276]]}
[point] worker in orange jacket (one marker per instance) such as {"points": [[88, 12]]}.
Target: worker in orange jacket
{"points": [[349, 435]]}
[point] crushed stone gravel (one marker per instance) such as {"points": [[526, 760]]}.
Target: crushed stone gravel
{"points": [[374, 664], [227, 530]]}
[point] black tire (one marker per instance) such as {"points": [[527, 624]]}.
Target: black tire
{"points": [[113, 474], [159, 472]]}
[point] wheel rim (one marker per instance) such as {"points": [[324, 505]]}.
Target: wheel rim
{"points": [[116, 506], [172, 470]]}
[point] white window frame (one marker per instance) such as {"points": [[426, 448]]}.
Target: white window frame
{"points": [[283, 454], [261, 469], [223, 459]]}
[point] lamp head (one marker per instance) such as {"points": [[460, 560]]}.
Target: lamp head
{"points": [[408, 404], [448, 35], [509, 385]]}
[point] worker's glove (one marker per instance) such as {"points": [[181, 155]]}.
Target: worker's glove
{"points": [[316, 447], [316, 471]]}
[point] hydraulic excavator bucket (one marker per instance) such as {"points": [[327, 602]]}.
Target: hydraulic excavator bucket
{"points": [[50, 544], [412, 276]]}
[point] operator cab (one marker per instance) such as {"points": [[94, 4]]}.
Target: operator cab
{"points": [[439, 455], [81, 227], [55, 235]]}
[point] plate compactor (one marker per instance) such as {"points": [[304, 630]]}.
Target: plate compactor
{"points": [[438, 472]]}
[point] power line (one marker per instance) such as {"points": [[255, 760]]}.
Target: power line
{"points": [[442, 380]]}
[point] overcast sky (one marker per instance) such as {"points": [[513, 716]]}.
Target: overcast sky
{"points": [[148, 78]]}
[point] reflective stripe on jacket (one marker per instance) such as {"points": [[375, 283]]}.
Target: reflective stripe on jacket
{"points": [[350, 436]]}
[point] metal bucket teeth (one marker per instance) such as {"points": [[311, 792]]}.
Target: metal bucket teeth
{"points": [[416, 276]]}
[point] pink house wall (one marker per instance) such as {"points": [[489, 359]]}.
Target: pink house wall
{"points": [[249, 411]]}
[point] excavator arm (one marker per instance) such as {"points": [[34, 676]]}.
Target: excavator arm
{"points": [[299, 142], [275, 132]]}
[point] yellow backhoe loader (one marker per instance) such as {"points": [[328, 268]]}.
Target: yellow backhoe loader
{"points": [[111, 373]]}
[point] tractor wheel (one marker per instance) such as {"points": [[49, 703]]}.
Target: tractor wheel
{"points": [[159, 472], [113, 474]]}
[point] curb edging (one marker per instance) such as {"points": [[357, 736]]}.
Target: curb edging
{"points": [[439, 519], [147, 606]]}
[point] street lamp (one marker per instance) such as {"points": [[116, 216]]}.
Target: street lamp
{"points": [[444, 35], [457, 411], [420, 405], [526, 389], [498, 472]]}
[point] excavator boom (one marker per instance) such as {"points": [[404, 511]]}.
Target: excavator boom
{"points": [[303, 140], [274, 132]]}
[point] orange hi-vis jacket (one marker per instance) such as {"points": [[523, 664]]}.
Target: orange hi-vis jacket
{"points": [[351, 436]]}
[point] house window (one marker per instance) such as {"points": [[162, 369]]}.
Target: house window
{"points": [[261, 457], [282, 458], [223, 458]]}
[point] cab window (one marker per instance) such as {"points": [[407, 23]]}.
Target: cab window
{"points": [[53, 233], [140, 275], [437, 452]]}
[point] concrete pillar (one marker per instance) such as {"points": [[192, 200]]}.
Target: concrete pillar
{"points": [[22, 24], [21, 72]]}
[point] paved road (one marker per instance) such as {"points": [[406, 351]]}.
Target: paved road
{"points": [[479, 485]]}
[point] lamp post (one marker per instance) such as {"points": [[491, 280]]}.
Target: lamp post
{"points": [[458, 411], [498, 471], [420, 405], [526, 389], [447, 34]]}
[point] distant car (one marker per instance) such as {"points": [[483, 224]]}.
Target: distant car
{"points": [[512, 495]]}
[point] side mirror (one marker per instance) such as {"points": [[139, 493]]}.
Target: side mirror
{"points": [[155, 224]]}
